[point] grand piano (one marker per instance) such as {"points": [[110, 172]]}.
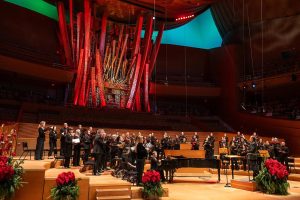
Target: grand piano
{"points": [[186, 159]]}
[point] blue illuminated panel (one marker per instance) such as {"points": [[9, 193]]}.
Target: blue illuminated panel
{"points": [[201, 32]]}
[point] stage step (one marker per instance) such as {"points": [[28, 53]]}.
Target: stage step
{"points": [[294, 177], [113, 192], [297, 160], [295, 170], [114, 198]]}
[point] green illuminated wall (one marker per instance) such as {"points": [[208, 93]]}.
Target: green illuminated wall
{"points": [[38, 6], [201, 32]]}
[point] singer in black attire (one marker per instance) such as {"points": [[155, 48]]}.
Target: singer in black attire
{"points": [[98, 152], [52, 141], [141, 154], [68, 149], [76, 149], [40, 141], [63, 133], [86, 143]]}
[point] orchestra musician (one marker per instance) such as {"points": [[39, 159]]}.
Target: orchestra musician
{"points": [[40, 141]]}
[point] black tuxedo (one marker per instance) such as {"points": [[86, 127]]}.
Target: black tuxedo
{"points": [[40, 144]]}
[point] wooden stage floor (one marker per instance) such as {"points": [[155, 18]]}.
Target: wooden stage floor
{"points": [[183, 188]]}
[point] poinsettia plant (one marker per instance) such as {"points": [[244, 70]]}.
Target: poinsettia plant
{"points": [[272, 179], [10, 176], [152, 188], [66, 187]]}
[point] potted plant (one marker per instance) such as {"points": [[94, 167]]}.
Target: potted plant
{"points": [[272, 179], [152, 188], [10, 177], [66, 187]]}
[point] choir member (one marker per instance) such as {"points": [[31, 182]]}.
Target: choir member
{"points": [[195, 143], [154, 165], [269, 148], [283, 154], [68, 147], [141, 154], [40, 141], [86, 143], [98, 152], [252, 156], [182, 137], [234, 151], [76, 148], [52, 141], [176, 143], [209, 151], [63, 133]]}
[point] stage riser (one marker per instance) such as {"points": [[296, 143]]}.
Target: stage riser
{"points": [[94, 195], [243, 185], [113, 192], [295, 170], [294, 177]]}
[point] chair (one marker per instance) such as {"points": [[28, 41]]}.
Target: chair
{"points": [[26, 150]]}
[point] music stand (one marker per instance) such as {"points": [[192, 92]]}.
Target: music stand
{"points": [[264, 153], [224, 151]]}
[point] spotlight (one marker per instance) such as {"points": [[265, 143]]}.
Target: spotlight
{"points": [[153, 17], [253, 85]]}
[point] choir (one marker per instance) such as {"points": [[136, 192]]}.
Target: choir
{"points": [[136, 148]]}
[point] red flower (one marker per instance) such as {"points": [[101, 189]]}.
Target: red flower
{"points": [[3, 160], [65, 178], [151, 177], [276, 169]]}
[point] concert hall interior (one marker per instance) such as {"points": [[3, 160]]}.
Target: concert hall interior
{"points": [[149, 99]]}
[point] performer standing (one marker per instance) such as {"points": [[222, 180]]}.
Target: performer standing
{"points": [[141, 154], [68, 148], [52, 141], [98, 151], [63, 133], [86, 142], [77, 146], [40, 141]]}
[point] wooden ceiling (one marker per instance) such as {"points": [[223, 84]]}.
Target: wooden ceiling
{"points": [[127, 11]]}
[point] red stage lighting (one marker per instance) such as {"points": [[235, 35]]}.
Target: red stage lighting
{"points": [[184, 17]]}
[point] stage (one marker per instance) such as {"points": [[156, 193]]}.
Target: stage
{"points": [[40, 178]]}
